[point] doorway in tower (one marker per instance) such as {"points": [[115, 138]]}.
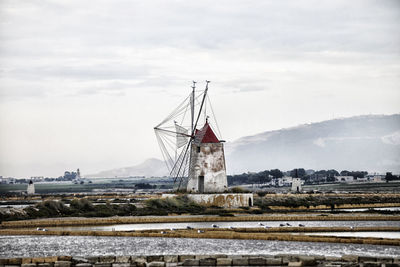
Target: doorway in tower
{"points": [[201, 184]]}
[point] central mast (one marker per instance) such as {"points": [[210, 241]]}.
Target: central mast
{"points": [[192, 103], [201, 108]]}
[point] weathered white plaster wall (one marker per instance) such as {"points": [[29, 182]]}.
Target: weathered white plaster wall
{"points": [[223, 200], [31, 189], [210, 163], [296, 183]]}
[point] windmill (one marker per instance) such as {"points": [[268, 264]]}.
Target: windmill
{"points": [[194, 157]]}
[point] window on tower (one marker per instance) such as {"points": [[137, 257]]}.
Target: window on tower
{"points": [[198, 149]]}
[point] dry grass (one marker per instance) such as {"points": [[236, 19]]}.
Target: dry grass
{"points": [[341, 206], [336, 195]]}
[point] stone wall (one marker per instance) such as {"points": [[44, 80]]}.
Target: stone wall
{"points": [[200, 260], [228, 200], [208, 161]]}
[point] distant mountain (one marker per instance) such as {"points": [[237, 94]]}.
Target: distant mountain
{"points": [[369, 143], [149, 168]]}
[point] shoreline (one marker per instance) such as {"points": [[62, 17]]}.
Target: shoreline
{"points": [[84, 221], [277, 234]]}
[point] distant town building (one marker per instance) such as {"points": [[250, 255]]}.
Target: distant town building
{"points": [[287, 181], [8, 180], [376, 178], [37, 178], [362, 179], [296, 185], [277, 182], [31, 188]]}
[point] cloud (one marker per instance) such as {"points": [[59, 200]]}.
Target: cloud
{"points": [[247, 87], [135, 59]]}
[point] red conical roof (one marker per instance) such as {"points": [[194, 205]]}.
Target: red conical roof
{"points": [[206, 135]]}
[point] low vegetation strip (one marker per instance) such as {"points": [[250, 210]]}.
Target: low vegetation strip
{"points": [[309, 201], [102, 208], [214, 235], [176, 219], [112, 196], [342, 206]]}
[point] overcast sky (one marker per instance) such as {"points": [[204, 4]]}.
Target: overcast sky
{"points": [[83, 83]]}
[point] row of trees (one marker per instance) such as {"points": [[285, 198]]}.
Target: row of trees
{"points": [[306, 175], [255, 178]]}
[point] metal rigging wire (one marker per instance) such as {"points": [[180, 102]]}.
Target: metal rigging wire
{"points": [[171, 135], [214, 117]]}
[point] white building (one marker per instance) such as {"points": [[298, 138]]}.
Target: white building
{"points": [[376, 178], [31, 188], [9, 180], [207, 171], [296, 185], [287, 181], [37, 178], [277, 182]]}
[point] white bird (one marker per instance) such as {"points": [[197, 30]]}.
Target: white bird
{"points": [[172, 229], [200, 231], [38, 229], [163, 232], [44, 230], [266, 227]]}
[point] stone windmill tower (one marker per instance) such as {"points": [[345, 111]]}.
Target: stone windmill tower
{"points": [[31, 188], [207, 172], [194, 156]]}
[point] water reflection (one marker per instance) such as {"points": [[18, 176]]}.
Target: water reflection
{"points": [[391, 235], [149, 226], [40, 246]]}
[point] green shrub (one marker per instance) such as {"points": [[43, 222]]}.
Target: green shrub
{"points": [[180, 204], [82, 205], [239, 190], [261, 193]]}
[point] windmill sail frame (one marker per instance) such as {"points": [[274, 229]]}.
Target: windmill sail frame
{"points": [[175, 134]]}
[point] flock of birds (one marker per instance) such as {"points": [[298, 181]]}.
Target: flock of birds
{"points": [[202, 231], [231, 227]]}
